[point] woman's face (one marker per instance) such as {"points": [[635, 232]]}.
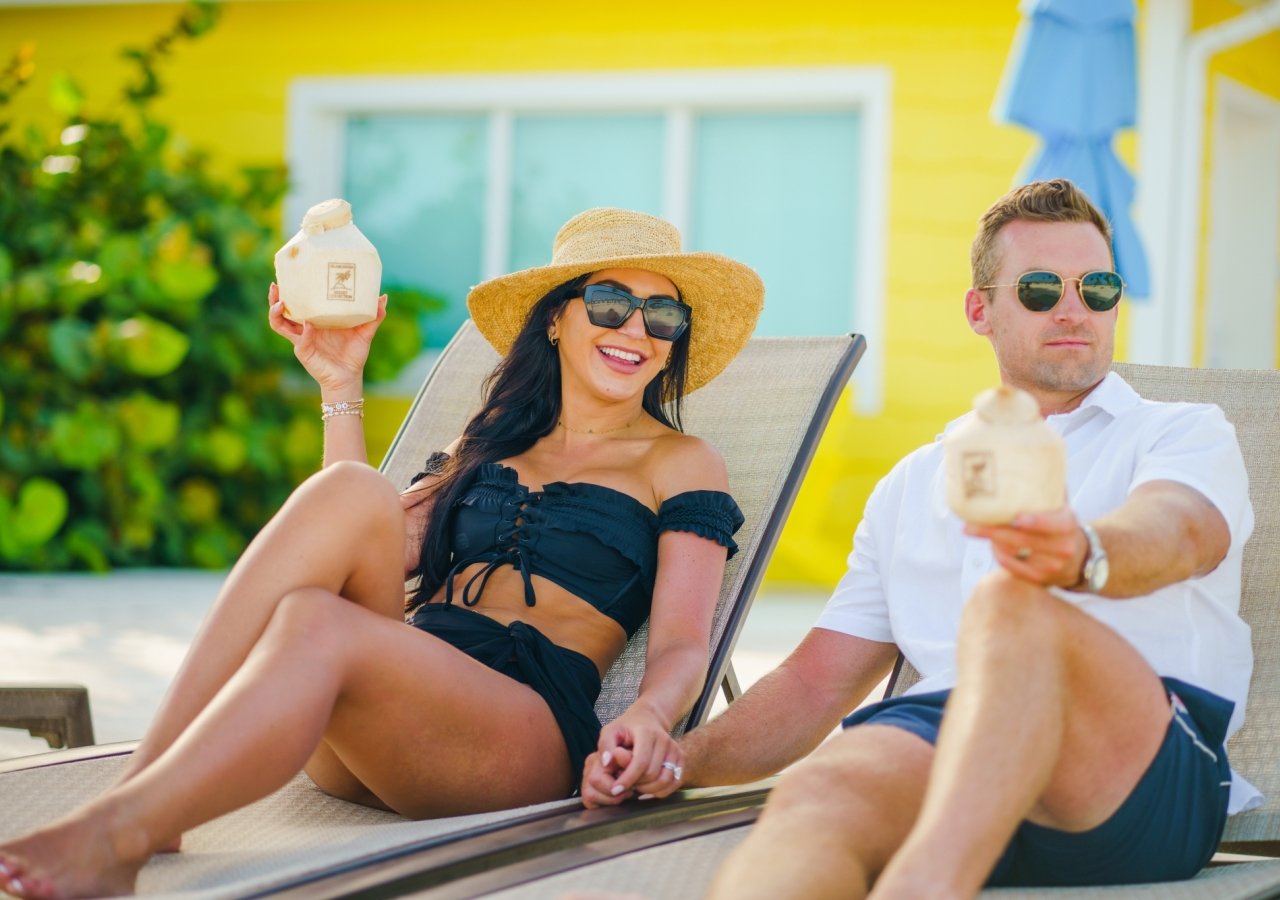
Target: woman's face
{"points": [[613, 362]]}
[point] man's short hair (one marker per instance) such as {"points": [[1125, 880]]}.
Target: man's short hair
{"points": [[1057, 200]]}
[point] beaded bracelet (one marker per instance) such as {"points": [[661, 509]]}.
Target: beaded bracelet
{"points": [[342, 408]]}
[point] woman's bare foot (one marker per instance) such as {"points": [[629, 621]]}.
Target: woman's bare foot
{"points": [[81, 856], [136, 763]]}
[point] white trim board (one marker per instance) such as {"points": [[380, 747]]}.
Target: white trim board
{"points": [[1242, 271], [319, 107]]}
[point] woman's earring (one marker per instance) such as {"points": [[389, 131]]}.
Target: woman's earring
{"points": [[553, 339]]}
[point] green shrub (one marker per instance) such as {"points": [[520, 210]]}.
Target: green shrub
{"points": [[142, 415]]}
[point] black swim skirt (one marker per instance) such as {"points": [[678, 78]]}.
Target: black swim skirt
{"points": [[565, 679]]}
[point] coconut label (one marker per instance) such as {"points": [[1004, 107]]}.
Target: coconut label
{"points": [[342, 281], [979, 474]]}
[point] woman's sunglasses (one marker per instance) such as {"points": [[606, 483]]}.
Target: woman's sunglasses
{"points": [[1040, 291], [608, 307]]}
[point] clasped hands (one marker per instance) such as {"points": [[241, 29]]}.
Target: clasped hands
{"points": [[635, 757], [1048, 549]]}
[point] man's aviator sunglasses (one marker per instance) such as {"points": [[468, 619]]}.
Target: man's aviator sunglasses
{"points": [[1040, 291], [608, 307]]}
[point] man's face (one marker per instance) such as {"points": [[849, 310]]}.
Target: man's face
{"points": [[1059, 355]]}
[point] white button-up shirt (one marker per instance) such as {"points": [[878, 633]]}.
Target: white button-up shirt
{"points": [[912, 568]]}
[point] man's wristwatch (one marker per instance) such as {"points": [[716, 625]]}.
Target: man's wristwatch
{"points": [[1097, 568]]}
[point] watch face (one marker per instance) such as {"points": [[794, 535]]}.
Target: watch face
{"points": [[1098, 575]]}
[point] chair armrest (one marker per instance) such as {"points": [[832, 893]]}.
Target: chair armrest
{"points": [[59, 713]]}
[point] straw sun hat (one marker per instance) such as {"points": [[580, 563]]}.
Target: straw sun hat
{"points": [[726, 296]]}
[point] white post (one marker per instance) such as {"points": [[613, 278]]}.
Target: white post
{"points": [[1160, 77]]}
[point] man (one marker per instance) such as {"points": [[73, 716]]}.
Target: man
{"points": [[1087, 659]]}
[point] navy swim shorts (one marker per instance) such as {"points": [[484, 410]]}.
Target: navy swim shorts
{"points": [[1167, 829]]}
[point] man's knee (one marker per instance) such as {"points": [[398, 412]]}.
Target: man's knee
{"points": [[1005, 608], [868, 769], [862, 791]]}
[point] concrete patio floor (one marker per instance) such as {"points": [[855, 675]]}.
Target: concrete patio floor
{"points": [[122, 635]]}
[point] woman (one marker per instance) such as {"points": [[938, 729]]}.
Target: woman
{"points": [[568, 511]]}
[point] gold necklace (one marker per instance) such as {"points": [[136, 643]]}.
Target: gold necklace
{"points": [[621, 427]]}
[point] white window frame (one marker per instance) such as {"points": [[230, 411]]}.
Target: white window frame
{"points": [[318, 109]]}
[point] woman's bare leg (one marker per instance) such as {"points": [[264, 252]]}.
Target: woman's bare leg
{"points": [[430, 730], [341, 530]]}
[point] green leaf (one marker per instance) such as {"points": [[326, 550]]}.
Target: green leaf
{"points": [[6, 265], [225, 450], [303, 443], [216, 546], [39, 513], [121, 258], [65, 96], [185, 281], [149, 424], [10, 548], [148, 347], [137, 533], [83, 439], [145, 489], [181, 266], [34, 291], [198, 501], [71, 347], [234, 410], [85, 541], [28, 524], [78, 282]]}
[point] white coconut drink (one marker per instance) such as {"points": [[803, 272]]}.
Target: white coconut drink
{"points": [[1004, 460], [329, 273]]}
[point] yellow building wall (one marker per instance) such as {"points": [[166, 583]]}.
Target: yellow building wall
{"points": [[948, 160]]}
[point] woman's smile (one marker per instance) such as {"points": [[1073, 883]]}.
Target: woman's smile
{"points": [[621, 360]]}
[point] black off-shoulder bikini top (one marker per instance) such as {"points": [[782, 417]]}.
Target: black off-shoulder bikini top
{"points": [[596, 542]]}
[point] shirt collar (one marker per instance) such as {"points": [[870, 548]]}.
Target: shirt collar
{"points": [[1112, 396]]}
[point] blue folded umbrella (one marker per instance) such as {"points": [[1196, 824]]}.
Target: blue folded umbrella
{"points": [[1071, 79]]}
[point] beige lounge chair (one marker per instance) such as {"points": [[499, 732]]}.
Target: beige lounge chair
{"points": [[765, 414], [673, 856]]}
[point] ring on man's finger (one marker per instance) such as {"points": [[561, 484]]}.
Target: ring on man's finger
{"points": [[676, 771], [1023, 553]]}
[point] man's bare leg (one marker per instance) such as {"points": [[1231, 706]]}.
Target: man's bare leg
{"points": [[833, 820], [1054, 718]]}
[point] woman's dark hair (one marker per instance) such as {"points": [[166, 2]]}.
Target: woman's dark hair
{"points": [[522, 404]]}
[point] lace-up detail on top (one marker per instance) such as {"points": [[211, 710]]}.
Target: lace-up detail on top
{"points": [[596, 542]]}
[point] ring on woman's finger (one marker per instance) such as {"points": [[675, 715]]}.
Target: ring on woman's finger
{"points": [[1023, 553], [676, 771]]}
